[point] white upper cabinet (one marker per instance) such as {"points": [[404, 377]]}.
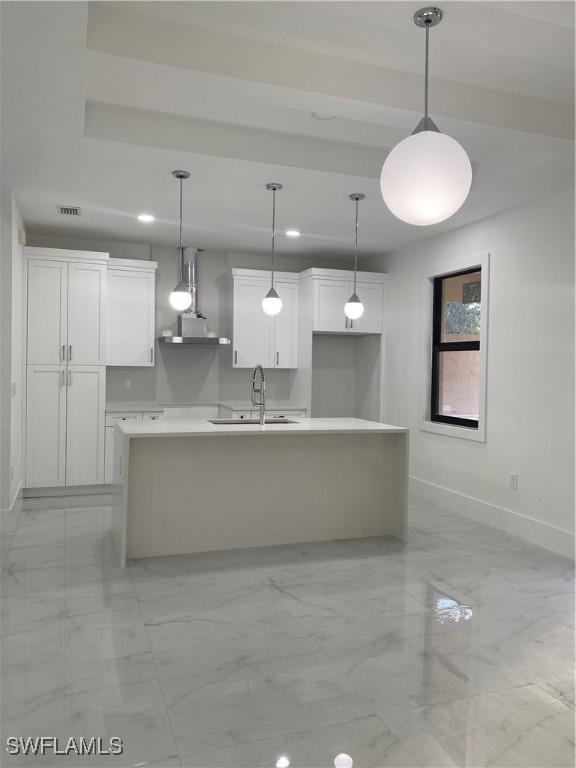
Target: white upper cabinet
{"points": [[47, 312], [86, 313], [131, 312], [286, 326], [66, 297], [259, 338], [329, 299], [331, 289], [253, 330], [372, 296]]}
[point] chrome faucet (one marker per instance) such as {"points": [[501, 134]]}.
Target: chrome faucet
{"points": [[258, 395]]}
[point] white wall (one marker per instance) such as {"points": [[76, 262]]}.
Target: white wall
{"points": [[12, 380], [530, 383], [18, 378]]}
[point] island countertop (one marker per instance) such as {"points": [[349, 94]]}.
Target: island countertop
{"points": [[199, 428]]}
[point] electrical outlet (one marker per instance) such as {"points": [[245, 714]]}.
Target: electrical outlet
{"points": [[514, 481]]}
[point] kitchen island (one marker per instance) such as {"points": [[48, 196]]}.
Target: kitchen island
{"points": [[194, 486]]}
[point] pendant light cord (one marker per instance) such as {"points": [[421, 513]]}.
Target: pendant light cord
{"points": [[180, 237], [426, 69], [356, 247], [273, 233]]}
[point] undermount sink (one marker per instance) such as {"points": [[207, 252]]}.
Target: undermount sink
{"points": [[237, 422]]}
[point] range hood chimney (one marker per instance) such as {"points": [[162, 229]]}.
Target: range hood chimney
{"points": [[192, 324]]}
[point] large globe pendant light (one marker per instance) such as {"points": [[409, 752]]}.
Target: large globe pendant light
{"points": [[272, 303], [353, 309], [181, 296], [426, 177]]}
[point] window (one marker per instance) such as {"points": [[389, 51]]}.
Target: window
{"points": [[456, 361]]}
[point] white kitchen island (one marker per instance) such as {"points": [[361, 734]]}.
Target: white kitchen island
{"points": [[193, 486]]}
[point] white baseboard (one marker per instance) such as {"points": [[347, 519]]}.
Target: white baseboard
{"points": [[65, 490], [535, 531], [13, 500]]}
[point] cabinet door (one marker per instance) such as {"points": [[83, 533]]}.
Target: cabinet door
{"points": [[45, 425], [47, 282], [371, 295], [131, 322], [109, 455], [286, 327], [86, 314], [329, 299], [85, 393], [253, 329]]}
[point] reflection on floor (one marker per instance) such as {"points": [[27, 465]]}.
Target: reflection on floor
{"points": [[453, 650]]}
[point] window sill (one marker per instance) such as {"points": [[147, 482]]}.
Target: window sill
{"points": [[452, 430]]}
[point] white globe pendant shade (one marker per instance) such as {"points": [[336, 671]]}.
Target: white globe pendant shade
{"points": [[271, 303], [426, 178], [181, 298], [353, 309]]}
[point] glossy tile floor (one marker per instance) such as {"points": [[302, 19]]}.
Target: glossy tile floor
{"points": [[453, 650]]}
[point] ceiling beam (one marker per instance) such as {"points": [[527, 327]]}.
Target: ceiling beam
{"points": [[128, 34]]}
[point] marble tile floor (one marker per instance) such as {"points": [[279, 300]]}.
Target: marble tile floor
{"points": [[455, 649]]}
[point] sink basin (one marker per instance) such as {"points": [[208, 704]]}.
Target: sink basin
{"points": [[238, 422]]}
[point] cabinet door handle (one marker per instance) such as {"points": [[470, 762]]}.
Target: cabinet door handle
{"points": [[346, 323], [351, 323], [235, 357], [69, 352], [69, 378], [277, 358], [63, 353], [62, 379], [151, 355]]}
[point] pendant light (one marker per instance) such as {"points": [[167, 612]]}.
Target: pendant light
{"points": [[426, 177], [353, 309], [181, 296], [272, 303]]}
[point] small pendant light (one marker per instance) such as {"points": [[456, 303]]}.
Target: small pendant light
{"points": [[354, 308], [426, 177], [181, 296], [272, 303]]}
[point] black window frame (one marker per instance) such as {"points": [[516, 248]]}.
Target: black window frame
{"points": [[439, 346]]}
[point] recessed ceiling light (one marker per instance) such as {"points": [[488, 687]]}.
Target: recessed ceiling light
{"points": [[146, 218], [322, 116], [292, 233], [282, 762]]}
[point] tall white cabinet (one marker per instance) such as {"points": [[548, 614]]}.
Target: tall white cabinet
{"points": [[259, 338], [66, 375]]}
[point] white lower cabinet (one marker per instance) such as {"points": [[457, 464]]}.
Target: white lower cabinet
{"points": [[46, 426], [109, 455], [65, 425], [86, 392], [112, 418]]}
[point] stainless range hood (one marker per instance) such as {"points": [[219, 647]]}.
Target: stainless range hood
{"points": [[192, 325]]}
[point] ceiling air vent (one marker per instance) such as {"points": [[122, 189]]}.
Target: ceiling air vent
{"points": [[69, 210]]}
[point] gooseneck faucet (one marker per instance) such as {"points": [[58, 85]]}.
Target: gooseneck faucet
{"points": [[258, 394]]}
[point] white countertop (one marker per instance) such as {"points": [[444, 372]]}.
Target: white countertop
{"points": [[201, 428]]}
